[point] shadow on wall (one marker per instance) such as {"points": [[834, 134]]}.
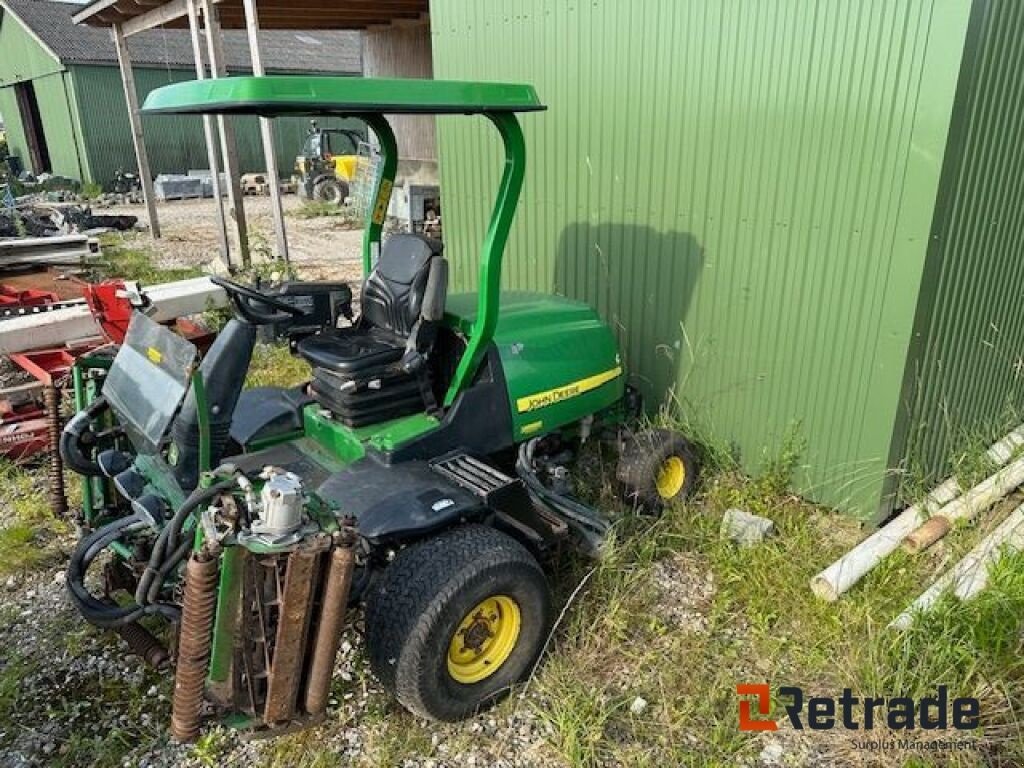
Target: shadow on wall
{"points": [[641, 281]]}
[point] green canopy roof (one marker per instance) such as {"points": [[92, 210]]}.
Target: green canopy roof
{"points": [[300, 95]]}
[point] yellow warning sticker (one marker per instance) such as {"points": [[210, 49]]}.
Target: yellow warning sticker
{"points": [[380, 210], [154, 355], [558, 394], [533, 426]]}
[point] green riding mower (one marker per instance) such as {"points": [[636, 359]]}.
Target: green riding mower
{"points": [[424, 472]]}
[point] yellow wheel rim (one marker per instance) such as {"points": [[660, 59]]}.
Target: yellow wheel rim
{"points": [[484, 639], [671, 477]]}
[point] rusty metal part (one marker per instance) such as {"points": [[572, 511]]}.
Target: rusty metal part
{"points": [[142, 643], [930, 532], [118, 576], [328, 632], [296, 603], [55, 475], [198, 606]]}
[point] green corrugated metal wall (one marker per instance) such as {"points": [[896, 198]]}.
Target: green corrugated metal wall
{"points": [[966, 374], [174, 143], [743, 189], [53, 95], [24, 59]]}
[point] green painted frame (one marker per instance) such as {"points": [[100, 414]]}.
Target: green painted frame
{"points": [[368, 99]]}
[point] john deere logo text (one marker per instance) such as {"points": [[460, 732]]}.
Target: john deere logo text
{"points": [[823, 713], [558, 394]]}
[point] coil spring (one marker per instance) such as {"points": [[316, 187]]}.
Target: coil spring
{"points": [[55, 474], [198, 605], [143, 644]]}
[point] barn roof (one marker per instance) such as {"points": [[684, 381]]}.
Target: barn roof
{"points": [[336, 51]]}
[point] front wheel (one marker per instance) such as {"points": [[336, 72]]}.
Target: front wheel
{"points": [[328, 190], [657, 467], [456, 620]]}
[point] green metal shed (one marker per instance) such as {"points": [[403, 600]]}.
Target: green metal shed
{"points": [[64, 108], [801, 217]]}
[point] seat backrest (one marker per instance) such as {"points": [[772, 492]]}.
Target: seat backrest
{"points": [[395, 292]]}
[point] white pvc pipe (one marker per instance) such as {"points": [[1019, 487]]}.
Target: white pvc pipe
{"points": [[832, 582], [985, 494], [970, 575]]}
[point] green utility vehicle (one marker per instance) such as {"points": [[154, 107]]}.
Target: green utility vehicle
{"points": [[424, 471]]}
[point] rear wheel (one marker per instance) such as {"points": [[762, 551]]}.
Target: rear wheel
{"points": [[456, 620], [330, 190], [657, 467]]}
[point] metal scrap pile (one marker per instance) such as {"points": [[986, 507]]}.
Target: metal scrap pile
{"points": [[35, 216]]}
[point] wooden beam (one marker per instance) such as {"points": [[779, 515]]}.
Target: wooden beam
{"points": [[317, 20], [215, 46], [252, 26], [210, 136], [135, 119], [157, 17], [341, 14]]}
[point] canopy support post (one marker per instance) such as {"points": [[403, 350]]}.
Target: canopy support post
{"points": [[252, 26], [124, 61], [492, 252], [378, 210], [211, 140], [229, 149]]}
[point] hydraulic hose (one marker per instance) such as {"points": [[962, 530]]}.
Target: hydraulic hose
{"points": [[168, 552], [76, 436], [567, 506], [104, 613]]}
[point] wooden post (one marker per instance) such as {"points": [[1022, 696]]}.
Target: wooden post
{"points": [[211, 140], [227, 134], [252, 26], [124, 60]]}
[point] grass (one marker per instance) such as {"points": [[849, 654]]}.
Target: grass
{"points": [[316, 209], [120, 260], [29, 536], [273, 365], [763, 624], [91, 190]]}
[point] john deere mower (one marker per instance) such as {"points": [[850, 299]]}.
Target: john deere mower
{"points": [[423, 473], [327, 163]]}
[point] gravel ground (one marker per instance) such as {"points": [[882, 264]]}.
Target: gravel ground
{"points": [[81, 700], [321, 248]]}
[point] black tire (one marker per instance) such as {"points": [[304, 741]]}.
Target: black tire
{"points": [[419, 602], [330, 190], [642, 460]]}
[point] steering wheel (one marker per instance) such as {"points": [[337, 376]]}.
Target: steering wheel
{"points": [[244, 296]]}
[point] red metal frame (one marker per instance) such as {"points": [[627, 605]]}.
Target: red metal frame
{"points": [[13, 298]]}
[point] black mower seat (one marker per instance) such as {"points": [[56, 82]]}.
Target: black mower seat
{"points": [[376, 369], [352, 350]]}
